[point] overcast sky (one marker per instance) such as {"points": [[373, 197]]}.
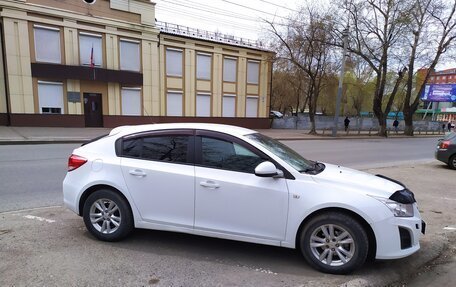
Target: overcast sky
{"points": [[233, 17], [240, 18]]}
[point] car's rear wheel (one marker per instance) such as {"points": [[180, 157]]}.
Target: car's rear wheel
{"points": [[452, 162], [334, 243], [107, 215]]}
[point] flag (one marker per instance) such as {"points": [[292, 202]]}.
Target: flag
{"points": [[92, 62]]}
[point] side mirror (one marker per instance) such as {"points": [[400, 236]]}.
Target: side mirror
{"points": [[268, 169]]}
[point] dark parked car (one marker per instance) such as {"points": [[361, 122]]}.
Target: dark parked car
{"points": [[446, 150]]}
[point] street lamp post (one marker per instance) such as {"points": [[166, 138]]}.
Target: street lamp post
{"points": [[341, 81]]}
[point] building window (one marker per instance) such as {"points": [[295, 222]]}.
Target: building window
{"points": [[203, 66], [47, 44], [229, 69], [253, 72], [174, 104], [90, 49], [129, 55], [251, 107], [173, 62], [203, 105], [131, 101], [229, 106], [432, 78], [438, 77], [50, 97]]}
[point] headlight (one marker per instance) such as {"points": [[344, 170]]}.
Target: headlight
{"points": [[398, 209]]}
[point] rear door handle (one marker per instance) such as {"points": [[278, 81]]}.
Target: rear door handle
{"points": [[209, 184], [137, 172]]}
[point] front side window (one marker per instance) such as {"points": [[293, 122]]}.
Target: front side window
{"points": [[50, 97], [229, 69], [221, 154], [90, 49], [284, 152], [173, 62], [166, 148], [47, 44], [129, 55]]}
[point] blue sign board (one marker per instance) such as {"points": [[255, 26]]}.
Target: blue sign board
{"points": [[439, 93]]}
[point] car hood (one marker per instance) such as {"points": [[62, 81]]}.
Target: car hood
{"points": [[358, 181]]}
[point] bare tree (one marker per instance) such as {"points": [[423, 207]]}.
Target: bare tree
{"points": [[304, 45], [432, 32], [377, 27]]}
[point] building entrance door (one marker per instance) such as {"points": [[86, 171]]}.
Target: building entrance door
{"points": [[93, 110]]}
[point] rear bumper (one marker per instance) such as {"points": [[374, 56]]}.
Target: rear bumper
{"points": [[442, 155]]}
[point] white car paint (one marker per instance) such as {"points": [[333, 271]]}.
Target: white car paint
{"points": [[235, 205]]}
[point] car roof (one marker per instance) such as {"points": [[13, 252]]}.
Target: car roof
{"points": [[228, 129]]}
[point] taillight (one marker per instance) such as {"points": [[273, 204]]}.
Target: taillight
{"points": [[445, 144], [75, 161]]}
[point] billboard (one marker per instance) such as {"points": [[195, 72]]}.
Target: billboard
{"points": [[439, 93]]}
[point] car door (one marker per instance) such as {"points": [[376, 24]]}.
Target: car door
{"points": [[230, 198], [159, 173]]}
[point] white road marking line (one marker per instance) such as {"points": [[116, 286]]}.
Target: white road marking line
{"points": [[30, 209], [39, 218], [449, 228]]}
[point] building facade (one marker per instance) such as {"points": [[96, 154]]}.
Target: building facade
{"points": [[68, 63]]}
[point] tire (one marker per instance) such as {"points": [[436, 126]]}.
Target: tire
{"points": [[111, 219], [338, 255], [452, 162]]}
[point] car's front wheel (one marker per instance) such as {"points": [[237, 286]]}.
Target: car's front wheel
{"points": [[334, 243], [107, 215]]}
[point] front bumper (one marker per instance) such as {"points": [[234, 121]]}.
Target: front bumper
{"points": [[398, 237]]}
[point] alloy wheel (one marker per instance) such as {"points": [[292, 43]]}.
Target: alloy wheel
{"points": [[332, 245], [105, 216]]}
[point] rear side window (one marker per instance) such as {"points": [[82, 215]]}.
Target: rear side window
{"points": [[167, 148]]}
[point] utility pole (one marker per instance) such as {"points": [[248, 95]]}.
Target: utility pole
{"points": [[341, 81]]}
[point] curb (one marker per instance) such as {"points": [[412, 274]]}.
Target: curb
{"points": [[35, 142]]}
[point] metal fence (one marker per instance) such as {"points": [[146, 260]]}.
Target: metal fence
{"points": [[207, 35]]}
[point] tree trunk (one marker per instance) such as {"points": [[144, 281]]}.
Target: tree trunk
{"points": [[408, 119], [382, 129], [313, 130]]}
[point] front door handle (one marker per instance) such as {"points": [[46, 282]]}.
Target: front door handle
{"points": [[209, 184], [137, 172]]}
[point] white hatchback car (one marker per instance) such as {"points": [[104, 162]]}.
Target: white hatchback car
{"points": [[234, 183]]}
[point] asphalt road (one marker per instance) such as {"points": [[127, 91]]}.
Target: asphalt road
{"points": [[31, 175]]}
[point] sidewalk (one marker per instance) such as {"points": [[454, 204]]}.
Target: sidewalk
{"points": [[42, 135]]}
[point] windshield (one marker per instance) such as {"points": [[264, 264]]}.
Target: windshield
{"points": [[286, 154]]}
